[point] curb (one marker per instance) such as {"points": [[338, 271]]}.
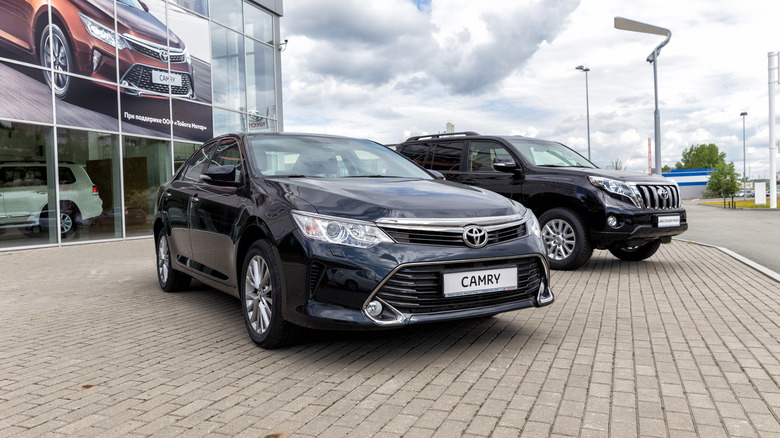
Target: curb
{"points": [[763, 269]]}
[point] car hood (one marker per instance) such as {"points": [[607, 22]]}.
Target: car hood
{"points": [[620, 175], [375, 198]]}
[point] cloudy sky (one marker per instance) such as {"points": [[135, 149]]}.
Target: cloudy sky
{"points": [[389, 69]]}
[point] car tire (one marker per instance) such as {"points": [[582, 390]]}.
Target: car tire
{"points": [[69, 221], [170, 279], [564, 237], [636, 253], [61, 63], [260, 291]]}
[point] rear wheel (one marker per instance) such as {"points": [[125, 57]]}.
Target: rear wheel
{"points": [[170, 279], [261, 298], [636, 253], [56, 54], [564, 237]]}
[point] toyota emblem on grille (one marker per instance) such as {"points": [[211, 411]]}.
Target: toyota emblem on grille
{"points": [[663, 193], [164, 55], [475, 237]]}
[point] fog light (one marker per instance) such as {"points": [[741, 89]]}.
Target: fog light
{"points": [[374, 308], [612, 222], [96, 56]]}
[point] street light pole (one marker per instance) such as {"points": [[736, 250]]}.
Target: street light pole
{"points": [[636, 26], [744, 157], [587, 103]]}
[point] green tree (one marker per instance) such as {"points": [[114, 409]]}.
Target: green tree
{"points": [[724, 181], [703, 156], [666, 169], [617, 164]]}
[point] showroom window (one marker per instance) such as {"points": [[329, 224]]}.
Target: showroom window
{"points": [[100, 130]]}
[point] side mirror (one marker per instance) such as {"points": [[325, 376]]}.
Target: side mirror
{"points": [[503, 164], [220, 176], [436, 174]]}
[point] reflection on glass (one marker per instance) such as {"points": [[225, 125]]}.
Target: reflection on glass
{"points": [[260, 85], [226, 122], [182, 151], [89, 184], [258, 24], [228, 70], [146, 166], [198, 6], [227, 12], [26, 185]]}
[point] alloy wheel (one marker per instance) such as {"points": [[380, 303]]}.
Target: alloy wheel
{"points": [[258, 295], [559, 239], [163, 259]]}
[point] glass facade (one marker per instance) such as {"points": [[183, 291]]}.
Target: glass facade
{"points": [[102, 100]]}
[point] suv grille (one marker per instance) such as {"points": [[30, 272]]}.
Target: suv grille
{"points": [[418, 289], [659, 197], [451, 237]]}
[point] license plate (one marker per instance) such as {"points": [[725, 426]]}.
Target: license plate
{"points": [[668, 221], [479, 282], [165, 78]]}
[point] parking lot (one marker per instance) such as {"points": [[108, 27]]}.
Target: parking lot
{"points": [[686, 343]]}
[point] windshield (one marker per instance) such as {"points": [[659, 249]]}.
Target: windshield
{"points": [[549, 154], [327, 157]]}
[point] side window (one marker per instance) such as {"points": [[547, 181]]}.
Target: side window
{"points": [[227, 154], [483, 153], [66, 176], [195, 165], [417, 153], [446, 157]]}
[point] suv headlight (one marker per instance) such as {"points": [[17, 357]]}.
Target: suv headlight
{"points": [[619, 188], [103, 33], [340, 231]]}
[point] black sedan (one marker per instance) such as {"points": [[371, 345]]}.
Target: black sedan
{"points": [[340, 233]]}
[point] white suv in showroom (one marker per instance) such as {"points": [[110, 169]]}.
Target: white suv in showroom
{"points": [[24, 197]]}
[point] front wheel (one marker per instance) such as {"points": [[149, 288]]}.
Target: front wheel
{"points": [[564, 237], [261, 298], [636, 253], [56, 55]]}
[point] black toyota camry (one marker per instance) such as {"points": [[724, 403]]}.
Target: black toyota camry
{"points": [[340, 233]]}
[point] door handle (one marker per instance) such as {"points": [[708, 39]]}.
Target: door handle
{"points": [[194, 199], [470, 182]]}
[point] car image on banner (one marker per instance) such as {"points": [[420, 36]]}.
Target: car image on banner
{"points": [[81, 39]]}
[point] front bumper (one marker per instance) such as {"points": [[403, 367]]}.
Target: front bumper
{"points": [[331, 287], [638, 228]]}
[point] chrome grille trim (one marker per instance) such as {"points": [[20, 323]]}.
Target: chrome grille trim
{"points": [[155, 50], [651, 198], [449, 231]]}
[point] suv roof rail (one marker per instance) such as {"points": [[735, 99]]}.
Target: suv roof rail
{"points": [[444, 134]]}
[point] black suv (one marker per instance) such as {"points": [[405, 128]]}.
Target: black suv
{"points": [[580, 206]]}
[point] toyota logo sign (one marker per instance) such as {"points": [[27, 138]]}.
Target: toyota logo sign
{"points": [[663, 193], [475, 237]]}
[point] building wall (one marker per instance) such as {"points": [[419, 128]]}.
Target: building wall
{"points": [[692, 182], [101, 100]]}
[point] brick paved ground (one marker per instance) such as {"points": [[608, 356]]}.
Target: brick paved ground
{"points": [[685, 344]]}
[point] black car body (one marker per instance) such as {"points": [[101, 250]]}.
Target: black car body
{"points": [[339, 233], [580, 206]]}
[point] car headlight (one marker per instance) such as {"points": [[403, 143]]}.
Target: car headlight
{"points": [[532, 225], [103, 33], [340, 231], [619, 188]]}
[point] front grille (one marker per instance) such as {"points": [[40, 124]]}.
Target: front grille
{"points": [[453, 237], [419, 289], [156, 51], [140, 76], [652, 196]]}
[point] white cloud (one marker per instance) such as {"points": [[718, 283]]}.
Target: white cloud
{"points": [[387, 69]]}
